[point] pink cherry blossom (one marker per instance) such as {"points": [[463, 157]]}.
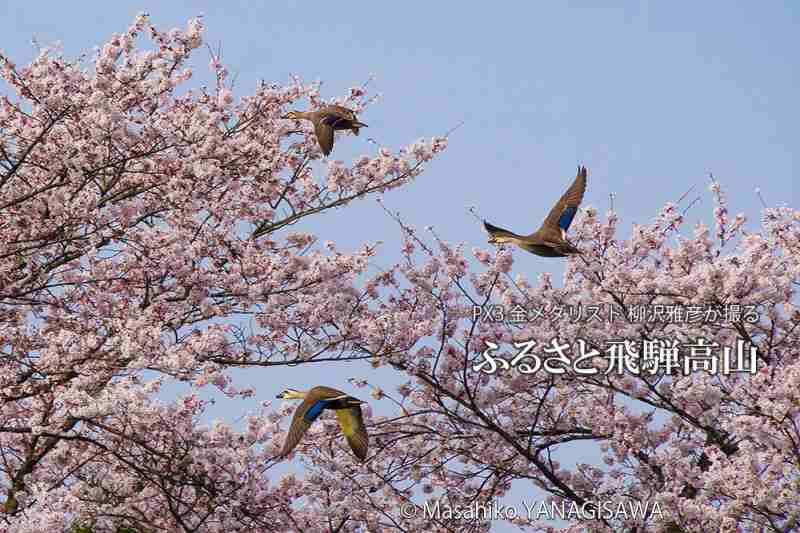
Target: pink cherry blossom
{"points": [[141, 220]]}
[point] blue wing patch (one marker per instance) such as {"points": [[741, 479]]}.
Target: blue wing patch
{"points": [[566, 217], [315, 410]]}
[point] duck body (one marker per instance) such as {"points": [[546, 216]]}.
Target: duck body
{"points": [[550, 250], [550, 240], [317, 400], [533, 243], [326, 120]]}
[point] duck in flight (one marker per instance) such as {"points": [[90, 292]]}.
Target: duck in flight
{"points": [[550, 240], [316, 400], [326, 121]]}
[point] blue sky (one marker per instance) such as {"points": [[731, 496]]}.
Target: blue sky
{"points": [[649, 96]]}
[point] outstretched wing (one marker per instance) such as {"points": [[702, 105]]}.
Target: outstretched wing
{"points": [[561, 215], [352, 424], [303, 417], [324, 132]]}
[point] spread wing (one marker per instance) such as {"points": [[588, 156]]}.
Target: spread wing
{"points": [[352, 424], [324, 132], [561, 215], [303, 417]]}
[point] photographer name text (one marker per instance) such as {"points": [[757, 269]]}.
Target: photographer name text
{"points": [[534, 510]]}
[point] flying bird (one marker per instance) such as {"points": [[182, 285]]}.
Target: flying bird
{"points": [[316, 400], [326, 121], [550, 240]]}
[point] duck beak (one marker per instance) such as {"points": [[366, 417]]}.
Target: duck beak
{"points": [[279, 396], [360, 125]]}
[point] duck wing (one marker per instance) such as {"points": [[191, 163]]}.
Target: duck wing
{"points": [[562, 213], [352, 424], [324, 132], [341, 118], [303, 417]]}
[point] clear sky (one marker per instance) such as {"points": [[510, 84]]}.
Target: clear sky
{"points": [[650, 96]]}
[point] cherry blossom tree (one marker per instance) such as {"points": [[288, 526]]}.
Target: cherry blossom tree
{"points": [[141, 223]]}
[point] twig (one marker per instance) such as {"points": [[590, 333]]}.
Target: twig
{"points": [[371, 78], [471, 209], [690, 205], [685, 194], [758, 192], [454, 129], [409, 231]]}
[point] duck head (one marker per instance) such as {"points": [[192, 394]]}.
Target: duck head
{"points": [[290, 394]]}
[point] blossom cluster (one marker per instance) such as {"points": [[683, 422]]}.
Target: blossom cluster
{"points": [[152, 240]]}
